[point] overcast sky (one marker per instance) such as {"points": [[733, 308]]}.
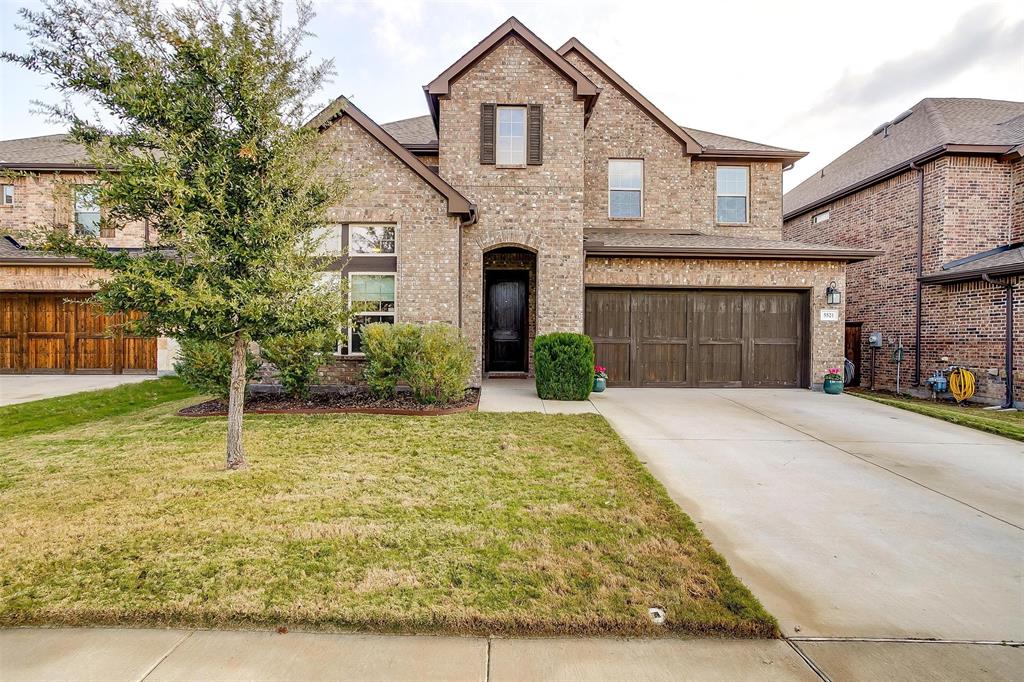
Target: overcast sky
{"points": [[815, 76]]}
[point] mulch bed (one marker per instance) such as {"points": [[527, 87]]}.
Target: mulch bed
{"points": [[358, 401]]}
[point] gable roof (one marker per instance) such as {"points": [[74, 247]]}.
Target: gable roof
{"points": [[46, 152], [441, 86], [698, 142], [457, 204], [932, 127]]}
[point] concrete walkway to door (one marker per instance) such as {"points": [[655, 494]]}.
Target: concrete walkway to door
{"points": [[21, 388], [848, 519]]}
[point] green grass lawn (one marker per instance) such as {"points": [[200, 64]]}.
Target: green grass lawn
{"points": [[482, 523], [1009, 423]]}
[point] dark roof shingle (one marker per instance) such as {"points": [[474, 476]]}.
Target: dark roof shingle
{"points": [[46, 150], [1003, 260], [932, 123]]}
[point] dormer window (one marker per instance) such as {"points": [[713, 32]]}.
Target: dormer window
{"points": [[511, 136]]}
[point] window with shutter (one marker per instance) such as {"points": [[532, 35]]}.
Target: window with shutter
{"points": [[487, 115], [535, 135]]}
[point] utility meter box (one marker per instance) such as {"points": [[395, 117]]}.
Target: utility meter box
{"points": [[875, 339]]}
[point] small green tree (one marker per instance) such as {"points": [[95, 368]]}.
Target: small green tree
{"points": [[202, 107]]}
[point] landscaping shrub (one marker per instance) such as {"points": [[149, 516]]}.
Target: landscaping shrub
{"points": [[564, 364], [387, 347], [439, 368], [297, 358], [206, 366]]}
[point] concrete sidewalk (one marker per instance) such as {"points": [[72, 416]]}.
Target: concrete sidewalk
{"points": [[22, 388], [114, 654], [520, 395]]}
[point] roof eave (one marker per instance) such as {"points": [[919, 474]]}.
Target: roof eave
{"points": [[583, 88], [785, 156], [902, 167], [52, 167], [847, 255], [953, 277]]}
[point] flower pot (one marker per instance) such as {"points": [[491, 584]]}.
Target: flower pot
{"points": [[833, 386], [600, 383]]}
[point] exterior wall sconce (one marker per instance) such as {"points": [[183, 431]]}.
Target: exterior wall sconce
{"points": [[832, 294]]}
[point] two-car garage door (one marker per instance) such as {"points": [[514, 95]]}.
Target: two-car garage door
{"points": [[699, 338], [59, 333]]}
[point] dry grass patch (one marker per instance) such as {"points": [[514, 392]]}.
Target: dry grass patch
{"points": [[518, 523]]}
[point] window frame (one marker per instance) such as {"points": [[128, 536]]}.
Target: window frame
{"points": [[340, 227], [351, 326], [347, 240], [642, 190], [498, 108], [80, 188], [3, 194], [817, 218], [746, 196]]}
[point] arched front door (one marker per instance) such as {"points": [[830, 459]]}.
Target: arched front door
{"points": [[507, 320]]}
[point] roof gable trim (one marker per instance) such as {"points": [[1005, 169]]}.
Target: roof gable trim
{"points": [[457, 204]]}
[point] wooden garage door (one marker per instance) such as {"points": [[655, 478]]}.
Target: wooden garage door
{"points": [[60, 333], [699, 338]]}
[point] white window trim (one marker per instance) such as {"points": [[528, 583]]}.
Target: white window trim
{"points": [[820, 217], [497, 134], [746, 196], [325, 243], [3, 194], [348, 234], [643, 183], [79, 189], [393, 314]]}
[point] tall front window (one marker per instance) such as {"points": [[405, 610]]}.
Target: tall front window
{"points": [[511, 136], [87, 210], [7, 196], [373, 299], [733, 194], [625, 188], [371, 240]]}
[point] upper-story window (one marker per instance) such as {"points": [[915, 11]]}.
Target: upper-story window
{"points": [[819, 217], [626, 188], [371, 240], [329, 241], [733, 194], [87, 210], [511, 138], [6, 195]]}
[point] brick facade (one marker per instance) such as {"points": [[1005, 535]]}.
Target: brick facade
{"points": [[539, 208], [679, 192], [971, 204]]}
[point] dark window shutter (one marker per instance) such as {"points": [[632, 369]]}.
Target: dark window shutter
{"points": [[535, 134], [488, 111]]}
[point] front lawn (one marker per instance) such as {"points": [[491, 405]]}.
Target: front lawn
{"points": [[1008, 423], [503, 523]]}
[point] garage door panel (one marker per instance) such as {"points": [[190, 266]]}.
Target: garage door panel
{"points": [[679, 337], [662, 364], [56, 332]]}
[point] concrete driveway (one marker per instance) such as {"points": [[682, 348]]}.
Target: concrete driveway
{"points": [[845, 517], [21, 388]]}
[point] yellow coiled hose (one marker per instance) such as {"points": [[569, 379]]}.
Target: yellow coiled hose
{"points": [[962, 383]]}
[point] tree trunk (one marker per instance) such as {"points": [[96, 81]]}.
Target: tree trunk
{"points": [[236, 401]]}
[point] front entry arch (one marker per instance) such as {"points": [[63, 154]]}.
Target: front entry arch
{"points": [[509, 310]]}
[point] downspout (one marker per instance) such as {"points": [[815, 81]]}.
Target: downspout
{"points": [[465, 223], [920, 271], [1008, 402]]}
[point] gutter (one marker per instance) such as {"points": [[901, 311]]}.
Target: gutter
{"points": [[468, 222], [933, 153], [1008, 402], [996, 271], [848, 255]]}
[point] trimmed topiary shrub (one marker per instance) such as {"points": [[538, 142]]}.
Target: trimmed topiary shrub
{"points": [[297, 357], [206, 366], [564, 365], [438, 371], [387, 348]]}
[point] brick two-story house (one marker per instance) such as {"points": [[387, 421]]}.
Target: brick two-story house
{"points": [[543, 193], [940, 191]]}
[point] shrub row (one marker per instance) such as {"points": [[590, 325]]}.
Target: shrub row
{"points": [[433, 359]]}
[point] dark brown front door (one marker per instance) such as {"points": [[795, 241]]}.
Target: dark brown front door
{"points": [[853, 349], [507, 321], [685, 337], [60, 333]]}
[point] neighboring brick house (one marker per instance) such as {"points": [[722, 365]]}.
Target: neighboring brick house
{"points": [[544, 193], [944, 180]]}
